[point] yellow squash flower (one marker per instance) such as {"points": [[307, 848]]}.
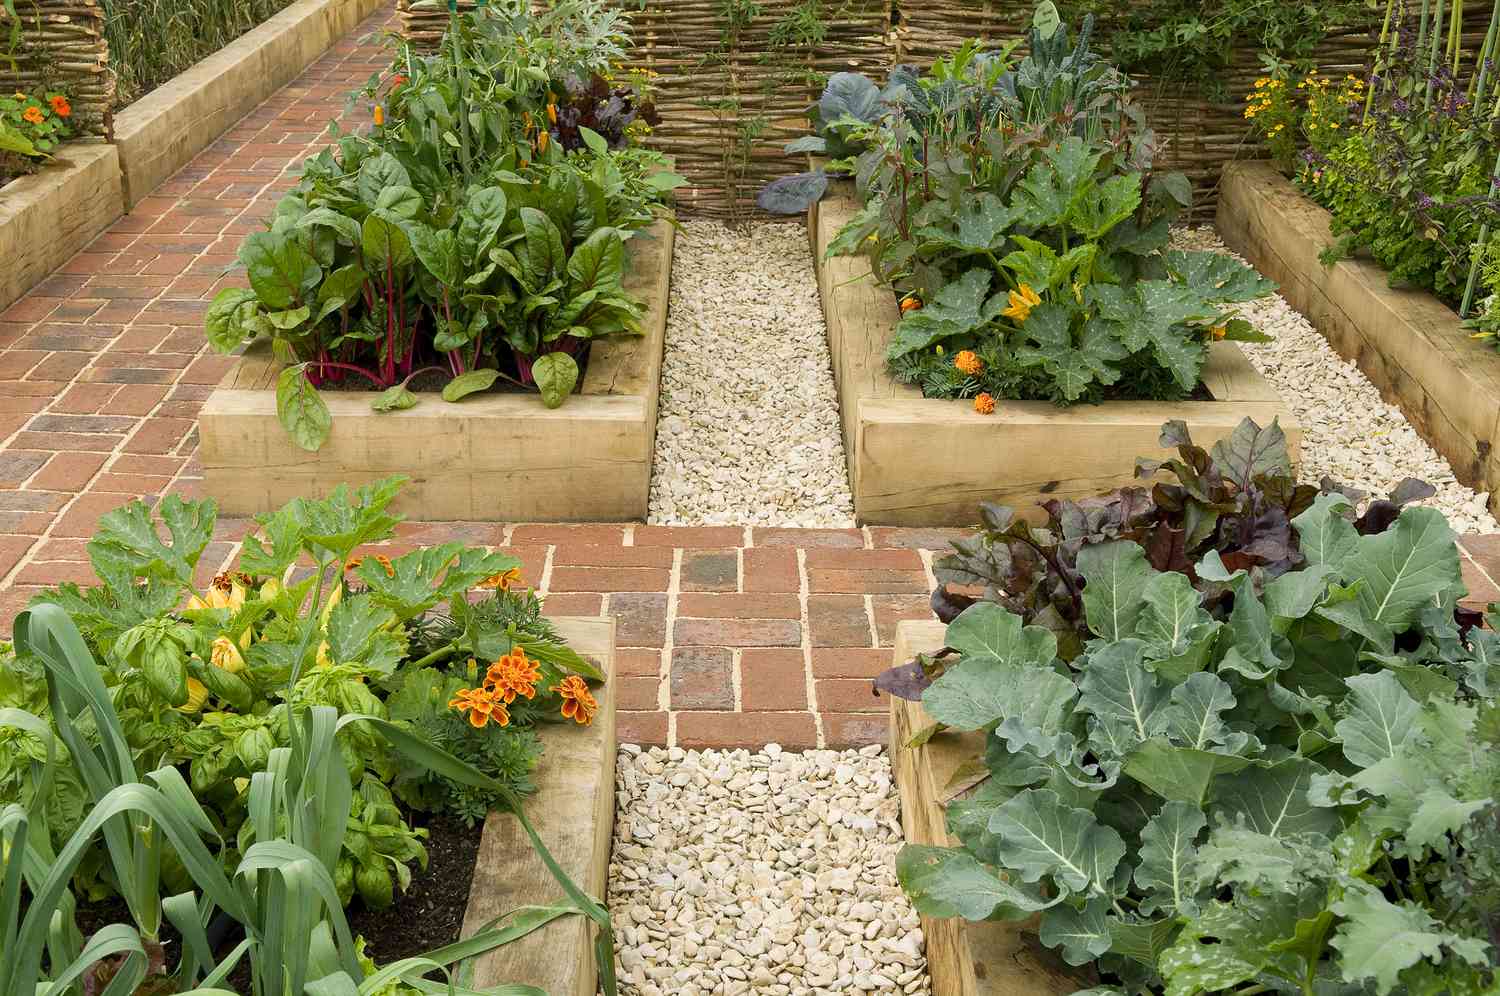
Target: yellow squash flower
{"points": [[1021, 303]]}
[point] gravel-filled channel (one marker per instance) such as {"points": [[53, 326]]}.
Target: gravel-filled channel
{"points": [[767, 872], [748, 431], [1349, 433]]}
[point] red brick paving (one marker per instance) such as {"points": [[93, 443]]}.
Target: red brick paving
{"points": [[728, 636]]}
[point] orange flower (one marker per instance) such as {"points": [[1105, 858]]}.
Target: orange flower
{"points": [[541, 140], [34, 114], [552, 113], [911, 303], [503, 580], [967, 361], [1218, 331], [60, 106], [481, 706], [984, 404], [379, 558], [379, 115], [578, 702], [396, 82], [512, 675]]}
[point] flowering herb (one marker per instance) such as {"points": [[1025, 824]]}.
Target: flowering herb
{"points": [[31, 127]]}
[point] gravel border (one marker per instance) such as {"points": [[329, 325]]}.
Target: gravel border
{"points": [[770, 872], [1349, 433], [748, 432]]}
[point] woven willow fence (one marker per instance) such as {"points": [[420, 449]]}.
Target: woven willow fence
{"points": [[62, 48]]}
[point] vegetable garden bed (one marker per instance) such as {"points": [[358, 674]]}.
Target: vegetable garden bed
{"points": [[1411, 345], [47, 216], [574, 811], [493, 456], [925, 462], [964, 958]]}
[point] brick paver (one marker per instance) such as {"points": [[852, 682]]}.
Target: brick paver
{"points": [[728, 636]]}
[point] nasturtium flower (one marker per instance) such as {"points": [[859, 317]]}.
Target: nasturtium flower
{"points": [[34, 114], [60, 106], [968, 362], [1022, 301], [984, 404], [578, 702]]}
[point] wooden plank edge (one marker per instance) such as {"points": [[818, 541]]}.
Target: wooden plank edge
{"points": [[963, 958], [559, 958]]}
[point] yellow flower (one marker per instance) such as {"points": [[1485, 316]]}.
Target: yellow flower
{"points": [[1218, 331], [197, 695], [226, 655], [1021, 303], [379, 115], [968, 362], [984, 404]]}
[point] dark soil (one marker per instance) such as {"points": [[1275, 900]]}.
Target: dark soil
{"points": [[431, 913], [428, 915]]}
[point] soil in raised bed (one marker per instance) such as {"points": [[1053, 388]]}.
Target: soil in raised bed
{"points": [[426, 916]]}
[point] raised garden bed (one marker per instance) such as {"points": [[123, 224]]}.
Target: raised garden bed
{"points": [[963, 958], [1410, 344], [47, 216], [925, 462], [574, 812], [161, 132], [493, 456]]}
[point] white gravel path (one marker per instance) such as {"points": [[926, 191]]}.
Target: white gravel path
{"points": [[748, 432], [1348, 432], [769, 872]]}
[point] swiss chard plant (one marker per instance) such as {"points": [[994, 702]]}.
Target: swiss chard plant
{"points": [[204, 680], [1287, 786], [457, 244]]}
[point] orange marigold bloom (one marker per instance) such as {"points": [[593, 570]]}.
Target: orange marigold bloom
{"points": [[34, 114], [578, 702], [911, 303], [513, 675], [481, 707], [984, 404], [967, 361], [503, 580], [60, 106]]}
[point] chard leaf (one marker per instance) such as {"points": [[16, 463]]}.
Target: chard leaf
{"points": [[301, 410], [1038, 835], [948, 882], [392, 399], [465, 384], [1168, 873], [556, 374]]}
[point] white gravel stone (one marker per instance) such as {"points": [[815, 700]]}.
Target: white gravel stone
{"points": [[748, 431], [1349, 433], [735, 878]]}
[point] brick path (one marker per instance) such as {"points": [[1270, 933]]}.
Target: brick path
{"points": [[729, 636]]}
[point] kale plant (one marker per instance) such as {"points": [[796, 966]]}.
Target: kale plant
{"points": [[1235, 784]]}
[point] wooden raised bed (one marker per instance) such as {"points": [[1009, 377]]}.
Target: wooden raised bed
{"points": [[1407, 342], [494, 456], [573, 811], [47, 216], [963, 958], [915, 461]]}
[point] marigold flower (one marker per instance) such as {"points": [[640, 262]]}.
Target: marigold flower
{"points": [[578, 702], [911, 302], [968, 362], [512, 675], [481, 707], [60, 106], [379, 115], [503, 580], [390, 569], [34, 114], [984, 404], [1021, 303]]}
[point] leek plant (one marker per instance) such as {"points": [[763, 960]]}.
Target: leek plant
{"points": [[297, 938]]}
